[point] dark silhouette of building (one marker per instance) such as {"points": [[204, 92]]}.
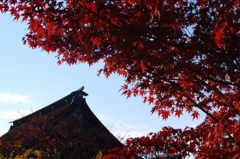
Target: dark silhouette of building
{"points": [[66, 109]]}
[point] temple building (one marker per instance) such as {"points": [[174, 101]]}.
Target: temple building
{"points": [[64, 110]]}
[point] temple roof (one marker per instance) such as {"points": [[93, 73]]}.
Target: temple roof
{"points": [[66, 107], [61, 103]]}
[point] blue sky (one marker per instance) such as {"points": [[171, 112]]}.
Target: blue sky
{"points": [[31, 79]]}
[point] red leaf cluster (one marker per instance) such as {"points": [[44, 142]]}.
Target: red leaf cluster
{"points": [[204, 141]]}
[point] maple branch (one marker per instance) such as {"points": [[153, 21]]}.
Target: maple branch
{"points": [[217, 90], [211, 116], [206, 112], [209, 78], [196, 49], [100, 17]]}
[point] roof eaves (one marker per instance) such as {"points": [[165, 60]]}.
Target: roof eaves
{"points": [[56, 105]]}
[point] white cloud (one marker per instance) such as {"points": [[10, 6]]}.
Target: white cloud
{"points": [[122, 130], [128, 134], [118, 123], [103, 117], [127, 125], [13, 115], [137, 133], [12, 98], [122, 136]]}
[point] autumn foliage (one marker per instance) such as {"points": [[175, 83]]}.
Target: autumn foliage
{"points": [[51, 138], [177, 54]]}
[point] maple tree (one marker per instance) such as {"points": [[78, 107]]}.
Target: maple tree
{"points": [[177, 54]]}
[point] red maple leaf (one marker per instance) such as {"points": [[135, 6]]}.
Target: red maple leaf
{"points": [[195, 114], [178, 113], [150, 99], [124, 87], [165, 114], [141, 93]]}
